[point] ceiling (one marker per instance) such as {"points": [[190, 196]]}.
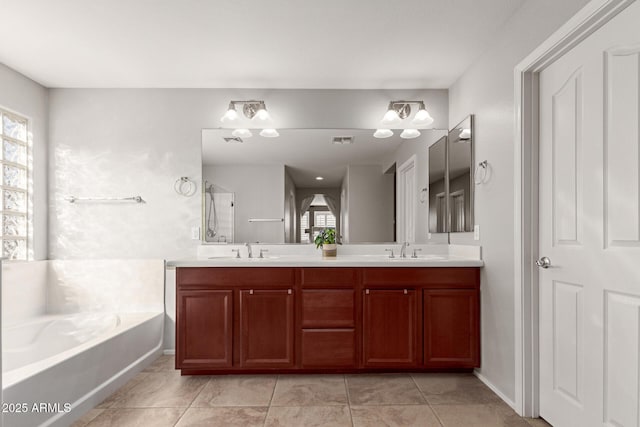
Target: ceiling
{"points": [[307, 153], [337, 44]]}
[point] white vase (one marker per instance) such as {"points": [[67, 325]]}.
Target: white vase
{"points": [[329, 250]]}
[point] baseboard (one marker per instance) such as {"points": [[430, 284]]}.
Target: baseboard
{"points": [[495, 389], [169, 351]]}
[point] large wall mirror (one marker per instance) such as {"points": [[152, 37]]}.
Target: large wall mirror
{"points": [[286, 189], [451, 187]]}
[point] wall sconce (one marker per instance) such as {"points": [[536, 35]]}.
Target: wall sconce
{"points": [[256, 111], [400, 110]]}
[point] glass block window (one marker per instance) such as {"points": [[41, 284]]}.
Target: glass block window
{"points": [[14, 190]]}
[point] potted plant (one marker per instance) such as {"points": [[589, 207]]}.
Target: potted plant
{"points": [[327, 240]]}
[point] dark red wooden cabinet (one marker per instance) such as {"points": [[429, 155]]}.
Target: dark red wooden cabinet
{"points": [[266, 328], [346, 319], [205, 331], [451, 328], [389, 327]]}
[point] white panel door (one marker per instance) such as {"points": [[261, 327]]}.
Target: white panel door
{"points": [[407, 201], [590, 230]]}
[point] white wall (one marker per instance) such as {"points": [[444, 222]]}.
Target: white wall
{"points": [[111, 142], [26, 97], [486, 89], [370, 204], [258, 193]]}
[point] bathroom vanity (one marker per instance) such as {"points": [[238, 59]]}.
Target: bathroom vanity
{"points": [[325, 316]]}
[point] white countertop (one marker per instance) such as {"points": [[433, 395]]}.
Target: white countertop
{"points": [[348, 256]]}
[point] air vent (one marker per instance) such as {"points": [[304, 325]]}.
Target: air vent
{"points": [[343, 140], [233, 139]]}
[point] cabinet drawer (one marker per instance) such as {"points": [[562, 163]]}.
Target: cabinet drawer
{"points": [[329, 277], [447, 277], [328, 348], [328, 308], [251, 277]]}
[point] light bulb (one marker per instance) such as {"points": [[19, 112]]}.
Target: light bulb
{"points": [[242, 133], [422, 118], [230, 116], [383, 133], [262, 115], [410, 133], [269, 133], [391, 117]]}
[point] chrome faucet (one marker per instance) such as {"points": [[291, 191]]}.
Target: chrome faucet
{"points": [[248, 245], [403, 250]]}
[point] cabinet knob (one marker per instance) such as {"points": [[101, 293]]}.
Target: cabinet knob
{"points": [[366, 291], [250, 291], [289, 291], [405, 292]]}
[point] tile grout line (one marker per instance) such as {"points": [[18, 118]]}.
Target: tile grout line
{"points": [[180, 417], [435, 414], [346, 389], [273, 393]]}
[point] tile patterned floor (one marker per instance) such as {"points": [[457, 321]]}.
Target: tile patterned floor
{"points": [[160, 397]]}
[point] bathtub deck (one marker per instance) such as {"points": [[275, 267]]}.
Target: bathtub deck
{"points": [[159, 397]]}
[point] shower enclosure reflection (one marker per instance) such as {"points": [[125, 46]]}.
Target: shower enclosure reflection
{"points": [[218, 214]]}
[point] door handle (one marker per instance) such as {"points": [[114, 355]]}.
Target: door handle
{"points": [[543, 262]]}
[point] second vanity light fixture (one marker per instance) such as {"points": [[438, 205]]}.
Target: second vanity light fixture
{"points": [[400, 110], [256, 111]]}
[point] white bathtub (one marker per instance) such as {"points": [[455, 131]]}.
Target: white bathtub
{"points": [[58, 366], [80, 376]]}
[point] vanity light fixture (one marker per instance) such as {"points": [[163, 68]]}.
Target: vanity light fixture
{"points": [[465, 134], [254, 110], [269, 133], [251, 109], [383, 133], [400, 110], [242, 133], [410, 133]]}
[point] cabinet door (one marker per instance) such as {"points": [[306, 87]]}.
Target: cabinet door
{"points": [[390, 336], [266, 328], [204, 329], [451, 328]]}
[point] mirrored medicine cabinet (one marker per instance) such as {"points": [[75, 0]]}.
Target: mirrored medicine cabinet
{"points": [[451, 186]]}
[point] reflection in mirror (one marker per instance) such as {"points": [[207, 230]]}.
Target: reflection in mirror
{"points": [[437, 186], [287, 189], [460, 154]]}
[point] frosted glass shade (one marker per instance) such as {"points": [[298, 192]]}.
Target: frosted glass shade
{"points": [[269, 133], [410, 133], [230, 116], [391, 117], [262, 116], [422, 118], [242, 133], [465, 134], [383, 133]]}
